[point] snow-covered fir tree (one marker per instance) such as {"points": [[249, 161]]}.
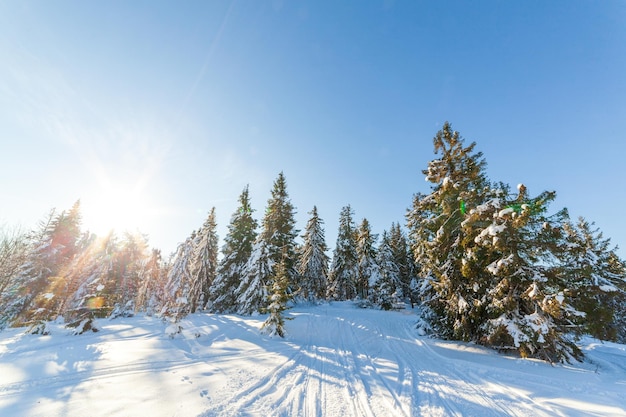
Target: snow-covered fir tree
{"points": [[438, 241], [618, 301], [278, 298], [367, 268], [236, 253], [124, 281], [344, 267], [14, 247], [490, 259], [64, 238], [595, 278], [203, 264], [152, 278], [275, 243], [90, 295], [313, 260], [279, 230], [178, 284], [257, 275], [387, 289], [528, 306], [403, 258], [52, 249]]}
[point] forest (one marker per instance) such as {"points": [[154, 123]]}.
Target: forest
{"points": [[479, 260]]}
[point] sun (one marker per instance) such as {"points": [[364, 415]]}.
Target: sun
{"points": [[116, 207]]}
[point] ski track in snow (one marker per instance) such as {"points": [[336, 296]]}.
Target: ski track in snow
{"points": [[337, 360]]}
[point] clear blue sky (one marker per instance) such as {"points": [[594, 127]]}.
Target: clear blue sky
{"points": [[169, 108]]}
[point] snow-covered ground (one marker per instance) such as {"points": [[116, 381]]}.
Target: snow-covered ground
{"points": [[337, 360]]}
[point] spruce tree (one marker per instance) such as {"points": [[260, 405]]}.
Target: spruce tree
{"points": [[277, 302], [178, 284], [204, 263], [528, 305], [618, 300], [313, 260], [42, 276], [125, 278], [257, 275], [275, 243], [594, 277], [435, 226], [344, 267], [92, 284], [387, 287], [367, 270], [236, 253], [278, 229], [403, 258], [490, 259], [91, 292], [14, 247], [152, 279]]}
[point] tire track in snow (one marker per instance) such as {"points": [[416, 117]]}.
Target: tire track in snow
{"points": [[346, 365], [470, 384], [312, 392], [357, 390], [263, 396], [92, 374], [408, 397], [366, 362]]}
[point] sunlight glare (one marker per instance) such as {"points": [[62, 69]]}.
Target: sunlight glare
{"points": [[116, 207]]}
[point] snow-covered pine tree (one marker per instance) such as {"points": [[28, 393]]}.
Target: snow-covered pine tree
{"points": [[279, 232], [527, 304], [386, 288], [256, 279], [236, 253], [438, 242], [344, 267], [42, 277], [367, 270], [125, 281], [618, 301], [14, 247], [203, 264], [313, 260], [594, 277], [178, 284], [278, 298], [90, 295], [403, 258], [275, 243], [152, 278]]}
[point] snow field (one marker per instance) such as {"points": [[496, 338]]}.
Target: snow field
{"points": [[337, 360]]}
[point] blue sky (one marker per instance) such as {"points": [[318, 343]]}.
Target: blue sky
{"points": [[153, 112]]}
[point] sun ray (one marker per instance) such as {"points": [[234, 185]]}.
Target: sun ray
{"points": [[118, 207]]}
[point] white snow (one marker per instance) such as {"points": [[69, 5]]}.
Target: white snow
{"points": [[337, 360], [534, 291], [496, 266], [491, 230], [463, 306], [560, 297], [505, 212], [608, 288]]}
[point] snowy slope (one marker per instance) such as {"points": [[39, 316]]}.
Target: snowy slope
{"points": [[337, 360]]}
